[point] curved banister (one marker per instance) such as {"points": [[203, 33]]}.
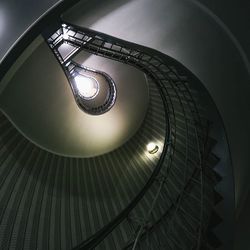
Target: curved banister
{"points": [[154, 65]]}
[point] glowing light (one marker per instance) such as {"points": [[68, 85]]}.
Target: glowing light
{"points": [[87, 87], [65, 36], [152, 148]]}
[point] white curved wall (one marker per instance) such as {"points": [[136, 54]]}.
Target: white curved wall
{"points": [[39, 102]]}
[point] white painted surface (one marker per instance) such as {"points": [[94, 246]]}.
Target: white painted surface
{"points": [[39, 102]]}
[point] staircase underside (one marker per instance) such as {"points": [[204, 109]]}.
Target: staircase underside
{"points": [[121, 200]]}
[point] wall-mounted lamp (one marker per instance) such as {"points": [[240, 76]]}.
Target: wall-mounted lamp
{"points": [[152, 148]]}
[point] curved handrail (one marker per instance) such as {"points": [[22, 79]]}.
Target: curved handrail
{"points": [[135, 55]]}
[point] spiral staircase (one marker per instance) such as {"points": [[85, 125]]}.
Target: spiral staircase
{"points": [[126, 198]]}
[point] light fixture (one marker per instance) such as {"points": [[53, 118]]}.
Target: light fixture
{"points": [[87, 87], [65, 36], [152, 148]]}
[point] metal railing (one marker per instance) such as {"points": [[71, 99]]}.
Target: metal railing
{"points": [[183, 152]]}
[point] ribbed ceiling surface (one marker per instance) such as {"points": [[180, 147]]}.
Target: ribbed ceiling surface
{"points": [[53, 202]]}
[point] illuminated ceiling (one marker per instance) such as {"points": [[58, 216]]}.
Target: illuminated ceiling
{"points": [[39, 102]]}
